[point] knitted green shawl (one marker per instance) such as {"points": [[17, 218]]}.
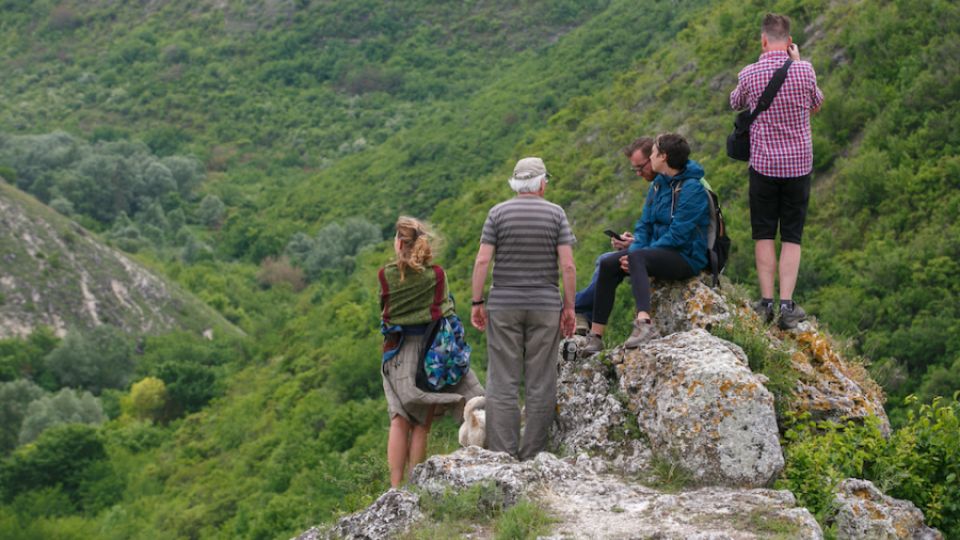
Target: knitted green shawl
{"points": [[415, 300]]}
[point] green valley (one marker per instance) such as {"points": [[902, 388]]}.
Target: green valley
{"points": [[257, 154]]}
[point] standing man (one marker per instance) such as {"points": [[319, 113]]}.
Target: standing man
{"points": [[781, 159], [638, 152], [530, 242]]}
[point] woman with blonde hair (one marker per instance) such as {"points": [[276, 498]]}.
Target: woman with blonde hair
{"points": [[414, 293]]}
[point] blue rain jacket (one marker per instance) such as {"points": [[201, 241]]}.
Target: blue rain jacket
{"points": [[686, 232]]}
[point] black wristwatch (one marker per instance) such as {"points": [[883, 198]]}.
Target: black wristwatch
{"points": [[479, 302]]}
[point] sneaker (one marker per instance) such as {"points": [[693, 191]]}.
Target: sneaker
{"points": [[789, 318], [643, 331], [582, 325], [765, 311], [592, 344]]}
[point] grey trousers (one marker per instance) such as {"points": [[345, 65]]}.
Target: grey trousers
{"points": [[521, 346]]}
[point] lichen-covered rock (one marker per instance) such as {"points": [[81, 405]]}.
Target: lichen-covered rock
{"points": [[601, 507], [591, 505], [592, 420], [864, 512], [678, 306], [700, 405], [832, 388], [388, 516], [473, 465]]}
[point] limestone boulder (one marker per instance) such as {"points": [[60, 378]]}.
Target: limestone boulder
{"points": [[473, 465], [590, 505], [700, 406], [832, 387], [390, 515], [592, 420], [678, 306], [606, 507], [864, 512]]}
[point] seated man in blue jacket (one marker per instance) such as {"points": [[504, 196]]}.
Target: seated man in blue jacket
{"points": [[669, 241]]}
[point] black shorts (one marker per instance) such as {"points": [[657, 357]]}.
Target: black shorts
{"points": [[778, 201]]}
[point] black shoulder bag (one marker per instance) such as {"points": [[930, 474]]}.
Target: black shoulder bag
{"points": [[738, 142]]}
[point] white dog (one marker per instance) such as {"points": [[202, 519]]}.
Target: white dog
{"points": [[473, 430]]}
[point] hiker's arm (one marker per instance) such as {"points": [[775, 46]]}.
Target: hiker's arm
{"points": [[478, 315], [568, 270], [738, 98], [817, 95]]}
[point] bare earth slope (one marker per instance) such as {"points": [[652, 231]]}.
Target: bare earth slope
{"points": [[55, 273]]}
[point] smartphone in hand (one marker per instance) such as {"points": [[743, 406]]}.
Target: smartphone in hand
{"points": [[612, 234]]}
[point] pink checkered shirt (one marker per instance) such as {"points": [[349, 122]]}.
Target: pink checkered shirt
{"points": [[780, 141]]}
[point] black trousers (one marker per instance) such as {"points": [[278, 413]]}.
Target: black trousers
{"points": [[644, 263]]}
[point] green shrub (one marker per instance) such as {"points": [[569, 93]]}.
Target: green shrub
{"points": [[482, 501], [100, 358], [60, 457], [68, 406], [920, 461]]}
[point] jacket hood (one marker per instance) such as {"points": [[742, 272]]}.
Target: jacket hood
{"points": [[693, 171]]}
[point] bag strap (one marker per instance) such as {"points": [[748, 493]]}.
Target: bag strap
{"points": [[770, 92], [435, 312], [673, 197], [384, 294]]}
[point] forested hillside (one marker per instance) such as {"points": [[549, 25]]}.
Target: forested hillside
{"points": [[259, 152]]}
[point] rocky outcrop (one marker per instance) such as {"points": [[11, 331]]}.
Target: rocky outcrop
{"points": [[700, 406], [592, 419], [687, 400], [686, 305], [830, 387], [864, 512], [591, 505], [391, 514]]}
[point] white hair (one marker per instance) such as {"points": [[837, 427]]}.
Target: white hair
{"points": [[530, 185]]}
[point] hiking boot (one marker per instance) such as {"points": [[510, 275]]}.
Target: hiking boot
{"points": [[789, 318], [582, 326], [643, 331], [765, 311], [592, 344]]}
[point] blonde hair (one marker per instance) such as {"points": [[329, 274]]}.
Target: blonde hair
{"points": [[415, 250]]}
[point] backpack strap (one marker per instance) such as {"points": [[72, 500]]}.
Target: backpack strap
{"points": [[673, 197]]}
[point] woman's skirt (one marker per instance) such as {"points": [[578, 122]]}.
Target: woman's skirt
{"points": [[406, 400]]}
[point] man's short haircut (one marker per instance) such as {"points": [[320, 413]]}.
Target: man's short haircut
{"points": [[644, 144], [676, 148], [776, 27]]}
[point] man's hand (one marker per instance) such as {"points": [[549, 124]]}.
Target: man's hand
{"points": [[567, 321], [478, 317], [625, 264], [794, 52], [620, 245]]}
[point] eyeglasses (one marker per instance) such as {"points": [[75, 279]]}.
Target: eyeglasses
{"points": [[639, 168]]}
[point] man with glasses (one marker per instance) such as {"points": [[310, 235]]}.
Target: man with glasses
{"points": [[638, 152], [530, 242]]}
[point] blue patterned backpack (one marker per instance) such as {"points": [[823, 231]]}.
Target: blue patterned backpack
{"points": [[447, 356]]}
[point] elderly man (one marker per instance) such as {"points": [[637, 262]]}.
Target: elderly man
{"points": [[781, 159], [530, 242]]}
